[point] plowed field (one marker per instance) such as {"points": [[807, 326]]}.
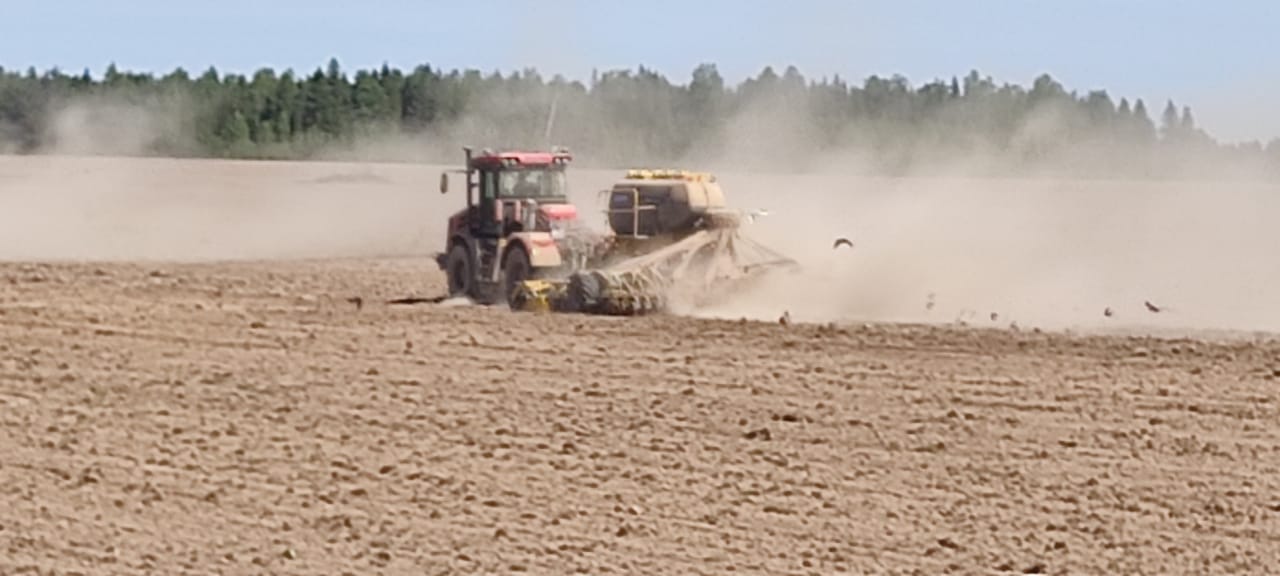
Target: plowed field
{"points": [[248, 418]]}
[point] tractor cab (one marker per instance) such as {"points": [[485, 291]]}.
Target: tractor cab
{"points": [[507, 190]]}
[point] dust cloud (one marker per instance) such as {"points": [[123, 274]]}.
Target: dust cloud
{"points": [[984, 238], [1051, 254], [93, 193], [105, 126], [111, 208]]}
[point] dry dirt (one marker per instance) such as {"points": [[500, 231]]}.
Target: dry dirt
{"points": [[242, 416]]}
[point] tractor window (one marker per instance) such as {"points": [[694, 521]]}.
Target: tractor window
{"points": [[489, 187], [533, 184]]}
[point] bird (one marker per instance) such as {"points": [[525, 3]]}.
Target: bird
{"points": [[358, 301], [1152, 307], [785, 319], [995, 316], [841, 242], [1108, 312]]}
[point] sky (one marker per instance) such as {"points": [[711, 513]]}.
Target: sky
{"points": [[1213, 56]]}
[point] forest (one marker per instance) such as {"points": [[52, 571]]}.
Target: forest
{"points": [[617, 118]]}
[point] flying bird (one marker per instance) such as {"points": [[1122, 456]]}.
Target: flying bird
{"points": [[841, 242], [1152, 307], [1108, 312]]}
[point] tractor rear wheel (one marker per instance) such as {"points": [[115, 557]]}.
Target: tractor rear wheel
{"points": [[461, 272], [515, 270]]}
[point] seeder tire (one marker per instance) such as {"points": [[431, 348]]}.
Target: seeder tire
{"points": [[584, 292]]}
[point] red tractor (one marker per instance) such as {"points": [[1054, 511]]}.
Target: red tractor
{"points": [[518, 224]]}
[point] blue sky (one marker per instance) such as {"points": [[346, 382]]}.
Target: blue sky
{"points": [[1217, 57]]}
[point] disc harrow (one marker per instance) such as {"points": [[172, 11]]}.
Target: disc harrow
{"points": [[694, 270]]}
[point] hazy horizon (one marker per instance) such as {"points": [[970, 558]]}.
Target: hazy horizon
{"points": [[1212, 58]]}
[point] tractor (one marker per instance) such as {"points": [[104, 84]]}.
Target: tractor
{"points": [[518, 224]]}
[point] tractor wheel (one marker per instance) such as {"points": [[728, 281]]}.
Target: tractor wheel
{"points": [[514, 271], [461, 272], [584, 292]]}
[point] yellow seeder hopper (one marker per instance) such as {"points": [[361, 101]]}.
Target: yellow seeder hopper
{"points": [[671, 240]]}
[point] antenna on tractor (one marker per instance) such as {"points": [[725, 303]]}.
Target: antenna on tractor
{"points": [[551, 119]]}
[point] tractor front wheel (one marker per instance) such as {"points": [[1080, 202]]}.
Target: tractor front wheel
{"points": [[514, 271], [460, 272]]}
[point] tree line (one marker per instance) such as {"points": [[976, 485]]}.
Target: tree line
{"points": [[620, 117]]}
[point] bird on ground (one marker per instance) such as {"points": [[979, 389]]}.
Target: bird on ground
{"points": [[841, 242], [358, 301], [785, 319]]}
